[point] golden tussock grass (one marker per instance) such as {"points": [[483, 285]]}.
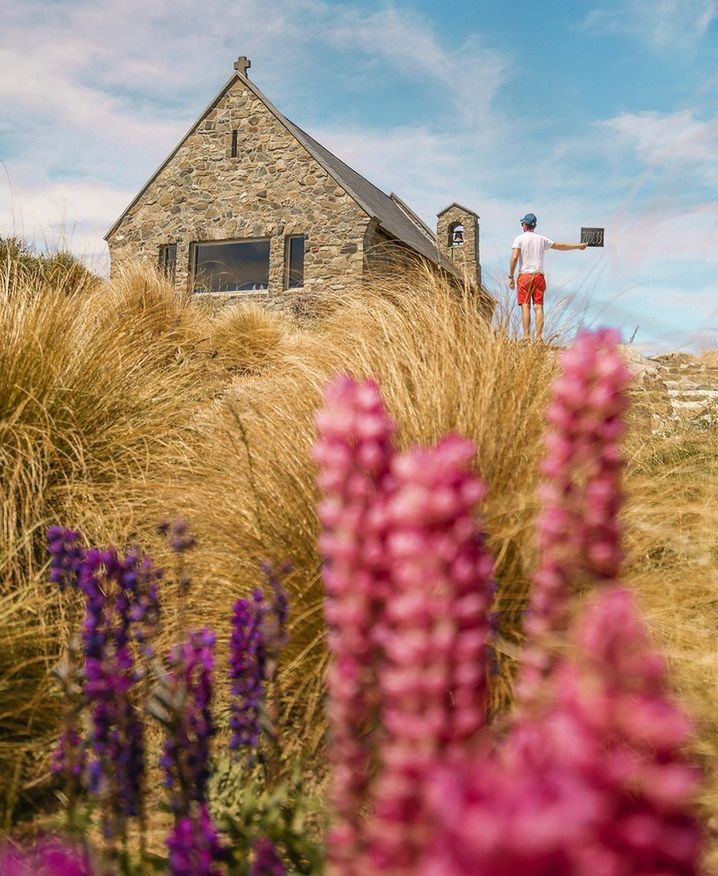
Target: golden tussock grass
{"points": [[95, 393], [247, 338], [709, 358], [251, 493], [211, 418]]}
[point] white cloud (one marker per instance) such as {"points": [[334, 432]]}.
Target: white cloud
{"points": [[98, 93], [670, 140], [470, 73], [95, 94], [64, 215], [662, 24]]}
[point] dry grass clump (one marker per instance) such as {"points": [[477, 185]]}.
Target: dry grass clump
{"points": [[107, 422], [709, 358], [251, 494], [93, 395], [248, 338], [672, 541], [441, 368]]}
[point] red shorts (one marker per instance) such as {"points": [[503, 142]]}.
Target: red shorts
{"points": [[530, 286]]}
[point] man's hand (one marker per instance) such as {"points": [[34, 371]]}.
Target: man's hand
{"points": [[582, 245], [512, 282]]}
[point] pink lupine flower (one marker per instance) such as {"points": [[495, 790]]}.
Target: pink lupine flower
{"points": [[591, 781], [353, 453], [619, 695], [433, 680], [49, 857], [578, 529]]}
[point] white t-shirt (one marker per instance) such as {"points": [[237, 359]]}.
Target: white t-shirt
{"points": [[532, 247]]}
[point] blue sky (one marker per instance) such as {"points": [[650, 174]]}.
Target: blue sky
{"points": [[584, 113]]}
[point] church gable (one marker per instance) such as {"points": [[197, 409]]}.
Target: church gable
{"points": [[248, 203], [242, 175]]}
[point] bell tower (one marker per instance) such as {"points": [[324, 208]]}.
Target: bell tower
{"points": [[457, 239]]}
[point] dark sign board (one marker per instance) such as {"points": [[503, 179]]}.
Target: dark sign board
{"points": [[592, 236]]}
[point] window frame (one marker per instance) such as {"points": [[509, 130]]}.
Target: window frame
{"points": [[287, 260], [193, 254], [168, 266]]}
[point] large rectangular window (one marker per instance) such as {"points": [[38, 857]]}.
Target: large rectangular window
{"points": [[168, 260], [231, 266], [295, 262]]}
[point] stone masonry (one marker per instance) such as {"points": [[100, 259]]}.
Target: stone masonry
{"points": [[465, 256], [244, 172], [272, 189]]}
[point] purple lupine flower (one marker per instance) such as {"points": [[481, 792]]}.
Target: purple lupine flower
{"points": [[248, 658], [66, 555], [116, 737], [185, 702], [69, 757], [143, 578], [277, 636], [182, 702], [265, 860], [194, 846], [178, 535]]}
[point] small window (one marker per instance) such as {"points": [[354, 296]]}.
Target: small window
{"points": [[295, 262], [168, 260], [233, 150], [231, 266]]}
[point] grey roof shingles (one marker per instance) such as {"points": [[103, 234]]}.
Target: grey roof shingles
{"points": [[380, 206]]}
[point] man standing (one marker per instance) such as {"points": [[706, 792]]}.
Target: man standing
{"points": [[528, 251]]}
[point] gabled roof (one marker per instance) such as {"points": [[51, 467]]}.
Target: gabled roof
{"points": [[460, 206], [391, 213], [391, 216]]}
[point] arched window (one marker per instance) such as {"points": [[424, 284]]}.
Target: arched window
{"points": [[456, 234]]}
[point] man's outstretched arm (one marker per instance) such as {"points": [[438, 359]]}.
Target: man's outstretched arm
{"points": [[565, 247]]}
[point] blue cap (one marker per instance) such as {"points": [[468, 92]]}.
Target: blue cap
{"points": [[529, 219]]}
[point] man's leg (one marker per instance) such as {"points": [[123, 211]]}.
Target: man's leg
{"points": [[538, 308], [526, 318]]}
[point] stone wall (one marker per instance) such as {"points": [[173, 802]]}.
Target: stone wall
{"points": [[465, 258], [272, 189]]}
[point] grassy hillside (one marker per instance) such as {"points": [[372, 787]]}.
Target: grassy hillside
{"points": [[122, 405]]}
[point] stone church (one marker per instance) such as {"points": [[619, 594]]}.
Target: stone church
{"points": [[250, 205]]}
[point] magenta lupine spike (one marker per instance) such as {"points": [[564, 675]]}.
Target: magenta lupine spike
{"points": [[620, 695], [579, 532], [189, 724], [353, 453], [49, 857], [265, 860], [194, 846], [247, 670], [434, 678], [593, 779], [116, 770]]}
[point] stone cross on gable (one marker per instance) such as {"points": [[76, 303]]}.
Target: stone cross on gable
{"points": [[241, 65]]}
